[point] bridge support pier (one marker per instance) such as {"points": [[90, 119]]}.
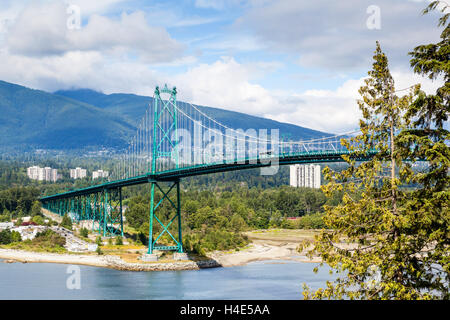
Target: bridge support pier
{"points": [[152, 240], [149, 257]]}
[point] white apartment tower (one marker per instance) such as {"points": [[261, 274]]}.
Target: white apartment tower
{"points": [[77, 173], [42, 174], [302, 175], [100, 174]]}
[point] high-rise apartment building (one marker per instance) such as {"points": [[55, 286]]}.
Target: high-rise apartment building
{"points": [[42, 174], [302, 175], [100, 174], [77, 173]]}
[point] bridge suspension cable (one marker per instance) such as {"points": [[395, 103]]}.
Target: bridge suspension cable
{"points": [[164, 126]]}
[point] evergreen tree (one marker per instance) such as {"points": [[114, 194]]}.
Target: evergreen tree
{"points": [[36, 209], [427, 138], [386, 242], [66, 222]]}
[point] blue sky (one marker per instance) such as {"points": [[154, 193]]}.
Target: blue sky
{"points": [[294, 61]]}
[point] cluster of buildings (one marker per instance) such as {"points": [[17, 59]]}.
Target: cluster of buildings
{"points": [[43, 174], [305, 175], [77, 173], [100, 174], [49, 174]]}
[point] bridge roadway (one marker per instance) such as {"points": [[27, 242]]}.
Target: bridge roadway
{"points": [[177, 174]]}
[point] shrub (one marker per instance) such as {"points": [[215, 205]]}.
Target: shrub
{"points": [[38, 220], [289, 224], [210, 240], [312, 221], [15, 236], [99, 251], [66, 222], [142, 238], [5, 236], [119, 241], [49, 238], [84, 232]]}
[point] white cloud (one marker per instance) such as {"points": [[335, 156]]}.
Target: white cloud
{"points": [[334, 34], [78, 69], [224, 84], [41, 30], [337, 110], [7, 16], [227, 84]]}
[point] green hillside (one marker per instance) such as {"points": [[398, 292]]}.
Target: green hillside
{"points": [[77, 119], [39, 119]]}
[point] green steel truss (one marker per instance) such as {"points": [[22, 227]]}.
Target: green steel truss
{"points": [[103, 208], [176, 205]]}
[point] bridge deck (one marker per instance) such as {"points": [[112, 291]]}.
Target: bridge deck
{"points": [[176, 174]]}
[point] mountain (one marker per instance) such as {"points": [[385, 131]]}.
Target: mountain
{"points": [[132, 108], [39, 119], [75, 119], [129, 107]]}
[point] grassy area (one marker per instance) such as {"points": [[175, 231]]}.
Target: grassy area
{"points": [[289, 235], [131, 254], [27, 245]]}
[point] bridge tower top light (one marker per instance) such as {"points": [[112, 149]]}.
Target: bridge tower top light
{"points": [[166, 90]]}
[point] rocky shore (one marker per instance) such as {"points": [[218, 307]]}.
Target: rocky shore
{"points": [[117, 263], [106, 261]]}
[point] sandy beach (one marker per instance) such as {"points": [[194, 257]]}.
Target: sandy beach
{"points": [[10, 255], [259, 251]]}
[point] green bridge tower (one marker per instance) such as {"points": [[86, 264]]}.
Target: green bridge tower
{"points": [[165, 153]]}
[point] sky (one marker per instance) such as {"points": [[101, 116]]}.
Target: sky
{"points": [[295, 61]]}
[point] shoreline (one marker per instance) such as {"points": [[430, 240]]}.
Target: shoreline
{"points": [[254, 252], [262, 251], [103, 261]]}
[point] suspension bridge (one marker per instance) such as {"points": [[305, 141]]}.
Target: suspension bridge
{"points": [[175, 140]]}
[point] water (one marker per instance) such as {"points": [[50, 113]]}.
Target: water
{"points": [[257, 280]]}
